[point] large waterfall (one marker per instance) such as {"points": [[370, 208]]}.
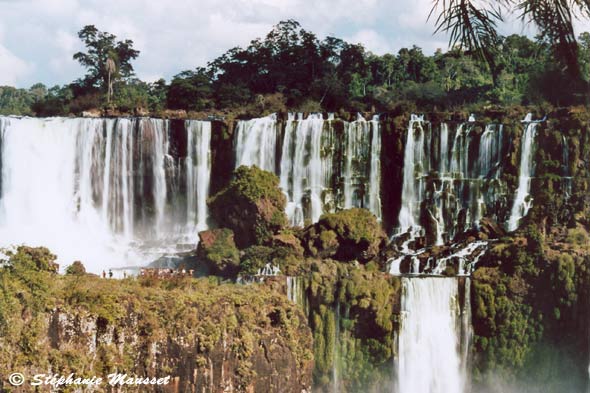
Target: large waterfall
{"points": [[322, 166], [108, 192], [450, 178], [429, 341]]}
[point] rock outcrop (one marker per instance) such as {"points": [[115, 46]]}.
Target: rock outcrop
{"points": [[252, 205]]}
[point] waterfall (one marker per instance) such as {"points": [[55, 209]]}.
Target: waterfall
{"points": [[374, 204], [198, 172], [301, 174], [429, 340], [307, 167], [409, 210], [256, 142], [451, 178], [466, 330], [522, 200], [103, 191], [362, 164]]}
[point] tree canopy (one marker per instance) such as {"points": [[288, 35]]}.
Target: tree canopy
{"points": [[102, 47], [291, 68]]}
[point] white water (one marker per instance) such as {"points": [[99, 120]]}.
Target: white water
{"points": [[301, 169], [467, 258], [429, 340], [308, 169], [409, 209], [453, 174], [522, 200], [256, 142], [103, 191], [374, 204], [198, 173]]}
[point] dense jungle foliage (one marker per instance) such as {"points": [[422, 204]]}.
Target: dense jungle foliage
{"points": [[293, 68]]}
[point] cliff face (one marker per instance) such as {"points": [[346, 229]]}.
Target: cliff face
{"points": [[531, 291], [206, 337]]}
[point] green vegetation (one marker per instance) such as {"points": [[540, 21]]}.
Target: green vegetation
{"points": [[353, 234], [218, 251], [252, 205], [527, 293], [76, 269], [93, 326], [103, 50], [354, 313], [292, 68], [473, 25]]}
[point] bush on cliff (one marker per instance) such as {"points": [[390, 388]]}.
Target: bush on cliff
{"points": [[283, 251], [353, 234], [76, 269], [218, 251], [252, 205]]}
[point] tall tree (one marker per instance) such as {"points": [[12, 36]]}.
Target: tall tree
{"points": [[102, 47]]}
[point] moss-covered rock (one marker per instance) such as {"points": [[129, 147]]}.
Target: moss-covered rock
{"points": [[286, 256], [530, 307], [252, 205], [353, 234], [218, 251], [354, 315]]}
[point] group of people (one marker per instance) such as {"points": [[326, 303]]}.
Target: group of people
{"points": [[154, 272], [165, 272], [104, 274]]}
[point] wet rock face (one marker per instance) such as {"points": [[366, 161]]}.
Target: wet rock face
{"points": [[272, 365]]}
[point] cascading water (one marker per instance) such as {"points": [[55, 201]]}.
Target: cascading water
{"points": [[447, 186], [198, 173], [362, 164], [409, 209], [256, 142], [374, 203], [108, 192], [312, 178], [429, 341], [522, 200], [302, 178]]}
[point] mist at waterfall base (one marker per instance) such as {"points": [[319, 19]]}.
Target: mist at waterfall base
{"points": [[107, 192]]}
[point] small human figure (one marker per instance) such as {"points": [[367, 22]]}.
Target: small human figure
{"points": [[110, 273], [124, 274], [104, 274]]}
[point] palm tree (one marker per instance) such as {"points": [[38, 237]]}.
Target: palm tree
{"points": [[471, 24], [111, 68]]}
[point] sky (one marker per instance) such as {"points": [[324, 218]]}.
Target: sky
{"points": [[39, 37]]}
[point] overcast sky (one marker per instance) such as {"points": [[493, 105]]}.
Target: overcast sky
{"points": [[38, 37]]}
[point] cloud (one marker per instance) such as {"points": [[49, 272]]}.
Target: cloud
{"points": [[12, 68], [183, 34], [372, 40]]}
